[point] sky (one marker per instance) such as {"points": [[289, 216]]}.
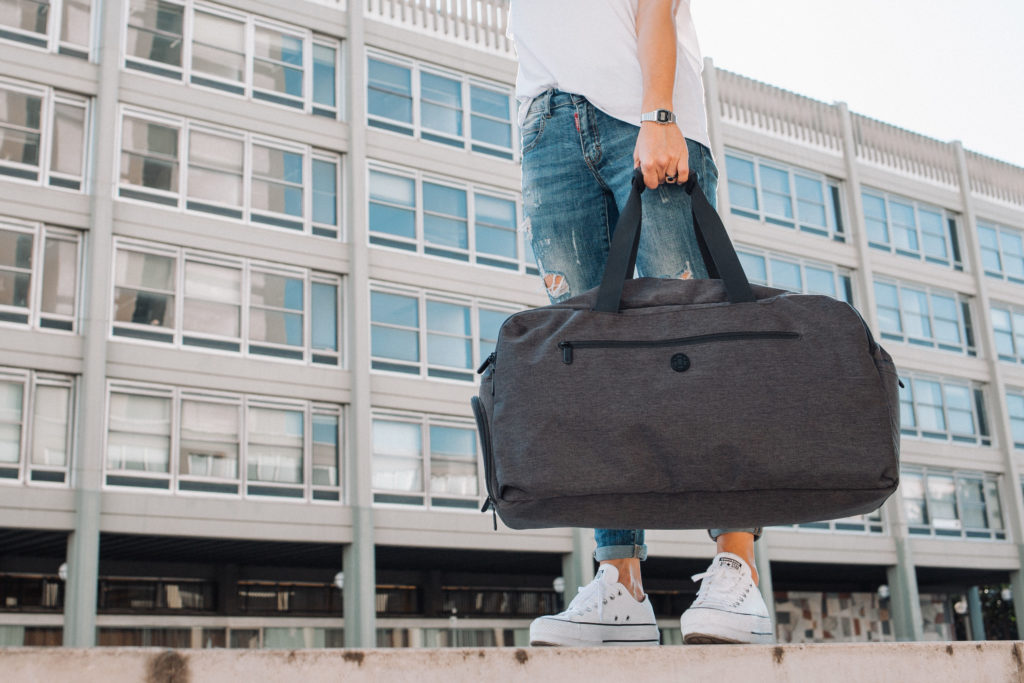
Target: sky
{"points": [[951, 70]]}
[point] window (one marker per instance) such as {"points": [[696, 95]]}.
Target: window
{"points": [[453, 339], [1002, 251], [42, 135], [229, 173], [924, 316], [946, 410], [56, 25], [1015, 408], [796, 275], [424, 460], [870, 523], [782, 195], [952, 503], [910, 228], [35, 426], [235, 53], [415, 99], [190, 441], [39, 275], [445, 218], [206, 301]]}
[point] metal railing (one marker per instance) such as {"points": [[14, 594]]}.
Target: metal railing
{"points": [[995, 179], [478, 23], [905, 151]]}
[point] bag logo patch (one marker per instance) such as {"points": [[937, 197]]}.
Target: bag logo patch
{"points": [[680, 362]]}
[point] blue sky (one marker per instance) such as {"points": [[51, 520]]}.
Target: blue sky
{"points": [[952, 70]]}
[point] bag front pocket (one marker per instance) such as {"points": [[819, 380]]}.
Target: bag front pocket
{"points": [[567, 347]]}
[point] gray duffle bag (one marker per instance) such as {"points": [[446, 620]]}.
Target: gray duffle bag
{"points": [[682, 404]]}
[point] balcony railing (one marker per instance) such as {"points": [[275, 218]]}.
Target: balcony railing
{"points": [[477, 23], [996, 179], [905, 151]]}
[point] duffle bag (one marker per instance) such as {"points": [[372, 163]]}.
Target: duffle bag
{"points": [[675, 404]]}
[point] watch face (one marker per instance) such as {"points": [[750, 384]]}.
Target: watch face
{"points": [[664, 116]]}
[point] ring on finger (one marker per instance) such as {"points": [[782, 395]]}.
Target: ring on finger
{"points": [[670, 179]]}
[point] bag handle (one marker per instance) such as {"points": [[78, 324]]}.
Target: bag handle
{"points": [[716, 248]]}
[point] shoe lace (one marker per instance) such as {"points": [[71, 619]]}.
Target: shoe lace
{"points": [[593, 595], [718, 585]]}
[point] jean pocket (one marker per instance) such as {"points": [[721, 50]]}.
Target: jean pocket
{"points": [[533, 127]]}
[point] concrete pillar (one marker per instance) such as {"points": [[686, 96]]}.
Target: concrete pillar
{"points": [[976, 613], [905, 602], [762, 562], [87, 465], [578, 565], [358, 556]]}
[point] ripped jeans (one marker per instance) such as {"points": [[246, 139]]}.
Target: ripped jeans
{"points": [[577, 166]]}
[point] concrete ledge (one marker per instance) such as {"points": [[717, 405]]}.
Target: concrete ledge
{"points": [[904, 662]]}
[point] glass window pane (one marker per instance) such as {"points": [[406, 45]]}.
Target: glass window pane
{"points": [[453, 461], [448, 338], [754, 267], [50, 426], [209, 439], [915, 313], [992, 502], [495, 226], [26, 15], [213, 296], [325, 192], [444, 219], [215, 168], [15, 268], [155, 31], [397, 456], [933, 233], [989, 241], [1003, 332], [775, 192], [324, 78], [144, 292], [786, 275], [20, 127], [958, 408], [441, 104], [68, 139], [218, 46], [60, 276], [389, 91], [876, 218], [820, 281], [277, 63], [929, 405], [277, 180], [140, 433], [392, 204], [946, 319], [275, 445], [149, 155], [810, 201], [912, 490], [491, 122], [942, 502], [325, 316], [394, 309], [11, 401], [325, 450], [76, 23], [276, 312]]}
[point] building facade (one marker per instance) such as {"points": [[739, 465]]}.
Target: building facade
{"points": [[251, 254]]}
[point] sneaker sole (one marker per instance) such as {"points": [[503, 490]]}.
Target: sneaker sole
{"points": [[710, 627], [640, 635]]}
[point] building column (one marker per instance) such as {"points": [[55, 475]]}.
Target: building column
{"points": [[905, 602], [83, 552], [578, 565], [976, 613], [762, 562], [358, 557]]}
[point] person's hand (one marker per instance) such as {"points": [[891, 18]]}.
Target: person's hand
{"points": [[661, 154]]}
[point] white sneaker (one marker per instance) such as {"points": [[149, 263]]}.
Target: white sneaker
{"points": [[602, 613], [728, 608]]}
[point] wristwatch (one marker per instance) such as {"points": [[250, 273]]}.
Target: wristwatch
{"points": [[658, 116]]}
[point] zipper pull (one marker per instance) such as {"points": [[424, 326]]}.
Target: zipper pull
{"points": [[566, 352], [576, 117], [489, 503], [488, 361]]}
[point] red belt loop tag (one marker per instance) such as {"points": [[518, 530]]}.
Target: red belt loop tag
{"points": [[576, 116]]}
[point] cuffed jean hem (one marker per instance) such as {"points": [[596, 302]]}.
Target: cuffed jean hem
{"points": [[715, 533], [620, 552]]}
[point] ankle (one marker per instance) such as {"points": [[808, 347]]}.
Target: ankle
{"points": [[629, 576], [741, 544]]}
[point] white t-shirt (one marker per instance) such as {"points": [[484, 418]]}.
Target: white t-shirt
{"points": [[589, 47]]}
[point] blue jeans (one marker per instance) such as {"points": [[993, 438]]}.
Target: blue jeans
{"points": [[577, 166]]}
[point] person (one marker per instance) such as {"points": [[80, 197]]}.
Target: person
{"points": [[605, 86]]}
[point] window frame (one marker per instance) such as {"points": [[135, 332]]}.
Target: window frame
{"points": [[170, 483], [50, 40], [42, 173], [869, 524], [423, 367], [831, 188], [415, 128], [999, 229], [418, 243], [842, 277], [950, 222], [965, 325], [34, 316], [246, 89], [25, 472], [182, 256], [960, 531], [424, 498], [255, 217], [982, 437]]}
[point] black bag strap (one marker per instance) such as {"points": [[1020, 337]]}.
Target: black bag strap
{"points": [[716, 248]]}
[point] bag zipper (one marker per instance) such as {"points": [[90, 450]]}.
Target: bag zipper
{"points": [[568, 346]]}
